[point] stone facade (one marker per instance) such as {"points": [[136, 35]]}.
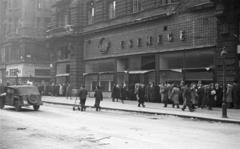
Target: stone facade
{"points": [[24, 56]]}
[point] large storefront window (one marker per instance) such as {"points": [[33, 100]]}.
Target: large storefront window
{"points": [[199, 75], [63, 68], [149, 77], [122, 78], [135, 63], [91, 81], [106, 65], [122, 64], [170, 76], [62, 80], [148, 62], [195, 59], [106, 82], [91, 66], [171, 61]]}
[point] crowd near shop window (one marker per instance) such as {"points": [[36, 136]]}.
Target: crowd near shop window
{"points": [[171, 61], [91, 66], [91, 12], [122, 64], [38, 24], [42, 72], [148, 62], [106, 65], [136, 5], [112, 9], [13, 72]]}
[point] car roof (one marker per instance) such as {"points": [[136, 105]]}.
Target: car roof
{"points": [[20, 86]]}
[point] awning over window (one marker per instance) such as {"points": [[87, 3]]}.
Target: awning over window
{"points": [[139, 71], [63, 75]]}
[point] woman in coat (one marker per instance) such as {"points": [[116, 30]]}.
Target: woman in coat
{"points": [[175, 96], [229, 95], [164, 94], [212, 97], [194, 96], [114, 92], [98, 98], [60, 90]]}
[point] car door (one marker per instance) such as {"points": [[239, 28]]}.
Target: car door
{"points": [[9, 96]]}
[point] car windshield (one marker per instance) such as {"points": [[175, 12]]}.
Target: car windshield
{"points": [[28, 90]]}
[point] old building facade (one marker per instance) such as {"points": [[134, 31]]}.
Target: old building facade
{"points": [[24, 55], [134, 41]]}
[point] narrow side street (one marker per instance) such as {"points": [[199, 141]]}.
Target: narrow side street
{"points": [[58, 127]]}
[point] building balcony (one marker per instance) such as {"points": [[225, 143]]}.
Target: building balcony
{"points": [[60, 31]]}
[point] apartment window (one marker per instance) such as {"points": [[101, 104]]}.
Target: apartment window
{"points": [[10, 3], [38, 24], [16, 25], [63, 52], [66, 17], [4, 29], [38, 4], [91, 11], [9, 25], [42, 72], [5, 8], [136, 5], [112, 9], [46, 22]]}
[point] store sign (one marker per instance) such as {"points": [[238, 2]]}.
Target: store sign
{"points": [[103, 45]]}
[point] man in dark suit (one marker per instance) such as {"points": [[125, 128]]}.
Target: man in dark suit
{"points": [[83, 96], [187, 98]]}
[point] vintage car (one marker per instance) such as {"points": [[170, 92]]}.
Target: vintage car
{"points": [[21, 96]]}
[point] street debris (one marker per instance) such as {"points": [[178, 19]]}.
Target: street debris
{"points": [[21, 128]]}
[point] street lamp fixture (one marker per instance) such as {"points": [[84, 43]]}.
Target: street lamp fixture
{"points": [[224, 103]]}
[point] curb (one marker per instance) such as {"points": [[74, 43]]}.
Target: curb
{"points": [[155, 113]]}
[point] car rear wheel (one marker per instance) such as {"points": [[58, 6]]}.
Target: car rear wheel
{"points": [[17, 105], [36, 107], [33, 99]]}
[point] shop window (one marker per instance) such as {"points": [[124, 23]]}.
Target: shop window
{"points": [[171, 61], [42, 72], [106, 82], [148, 62], [170, 76], [199, 75], [106, 65], [112, 9], [91, 12], [13, 72], [149, 77], [135, 63], [122, 78], [122, 64], [91, 81], [195, 59], [136, 5], [91, 66], [63, 68], [62, 80]]}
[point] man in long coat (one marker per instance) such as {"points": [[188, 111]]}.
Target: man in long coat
{"points": [[98, 98], [83, 96], [141, 95], [187, 97], [236, 95]]}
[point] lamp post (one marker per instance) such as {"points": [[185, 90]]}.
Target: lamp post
{"points": [[224, 103]]}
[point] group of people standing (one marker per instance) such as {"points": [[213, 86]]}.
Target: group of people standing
{"points": [[119, 92], [55, 90]]}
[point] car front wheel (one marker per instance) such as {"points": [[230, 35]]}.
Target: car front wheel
{"points": [[36, 107], [17, 106]]}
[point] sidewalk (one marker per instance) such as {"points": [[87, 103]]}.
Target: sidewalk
{"points": [[153, 108]]}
